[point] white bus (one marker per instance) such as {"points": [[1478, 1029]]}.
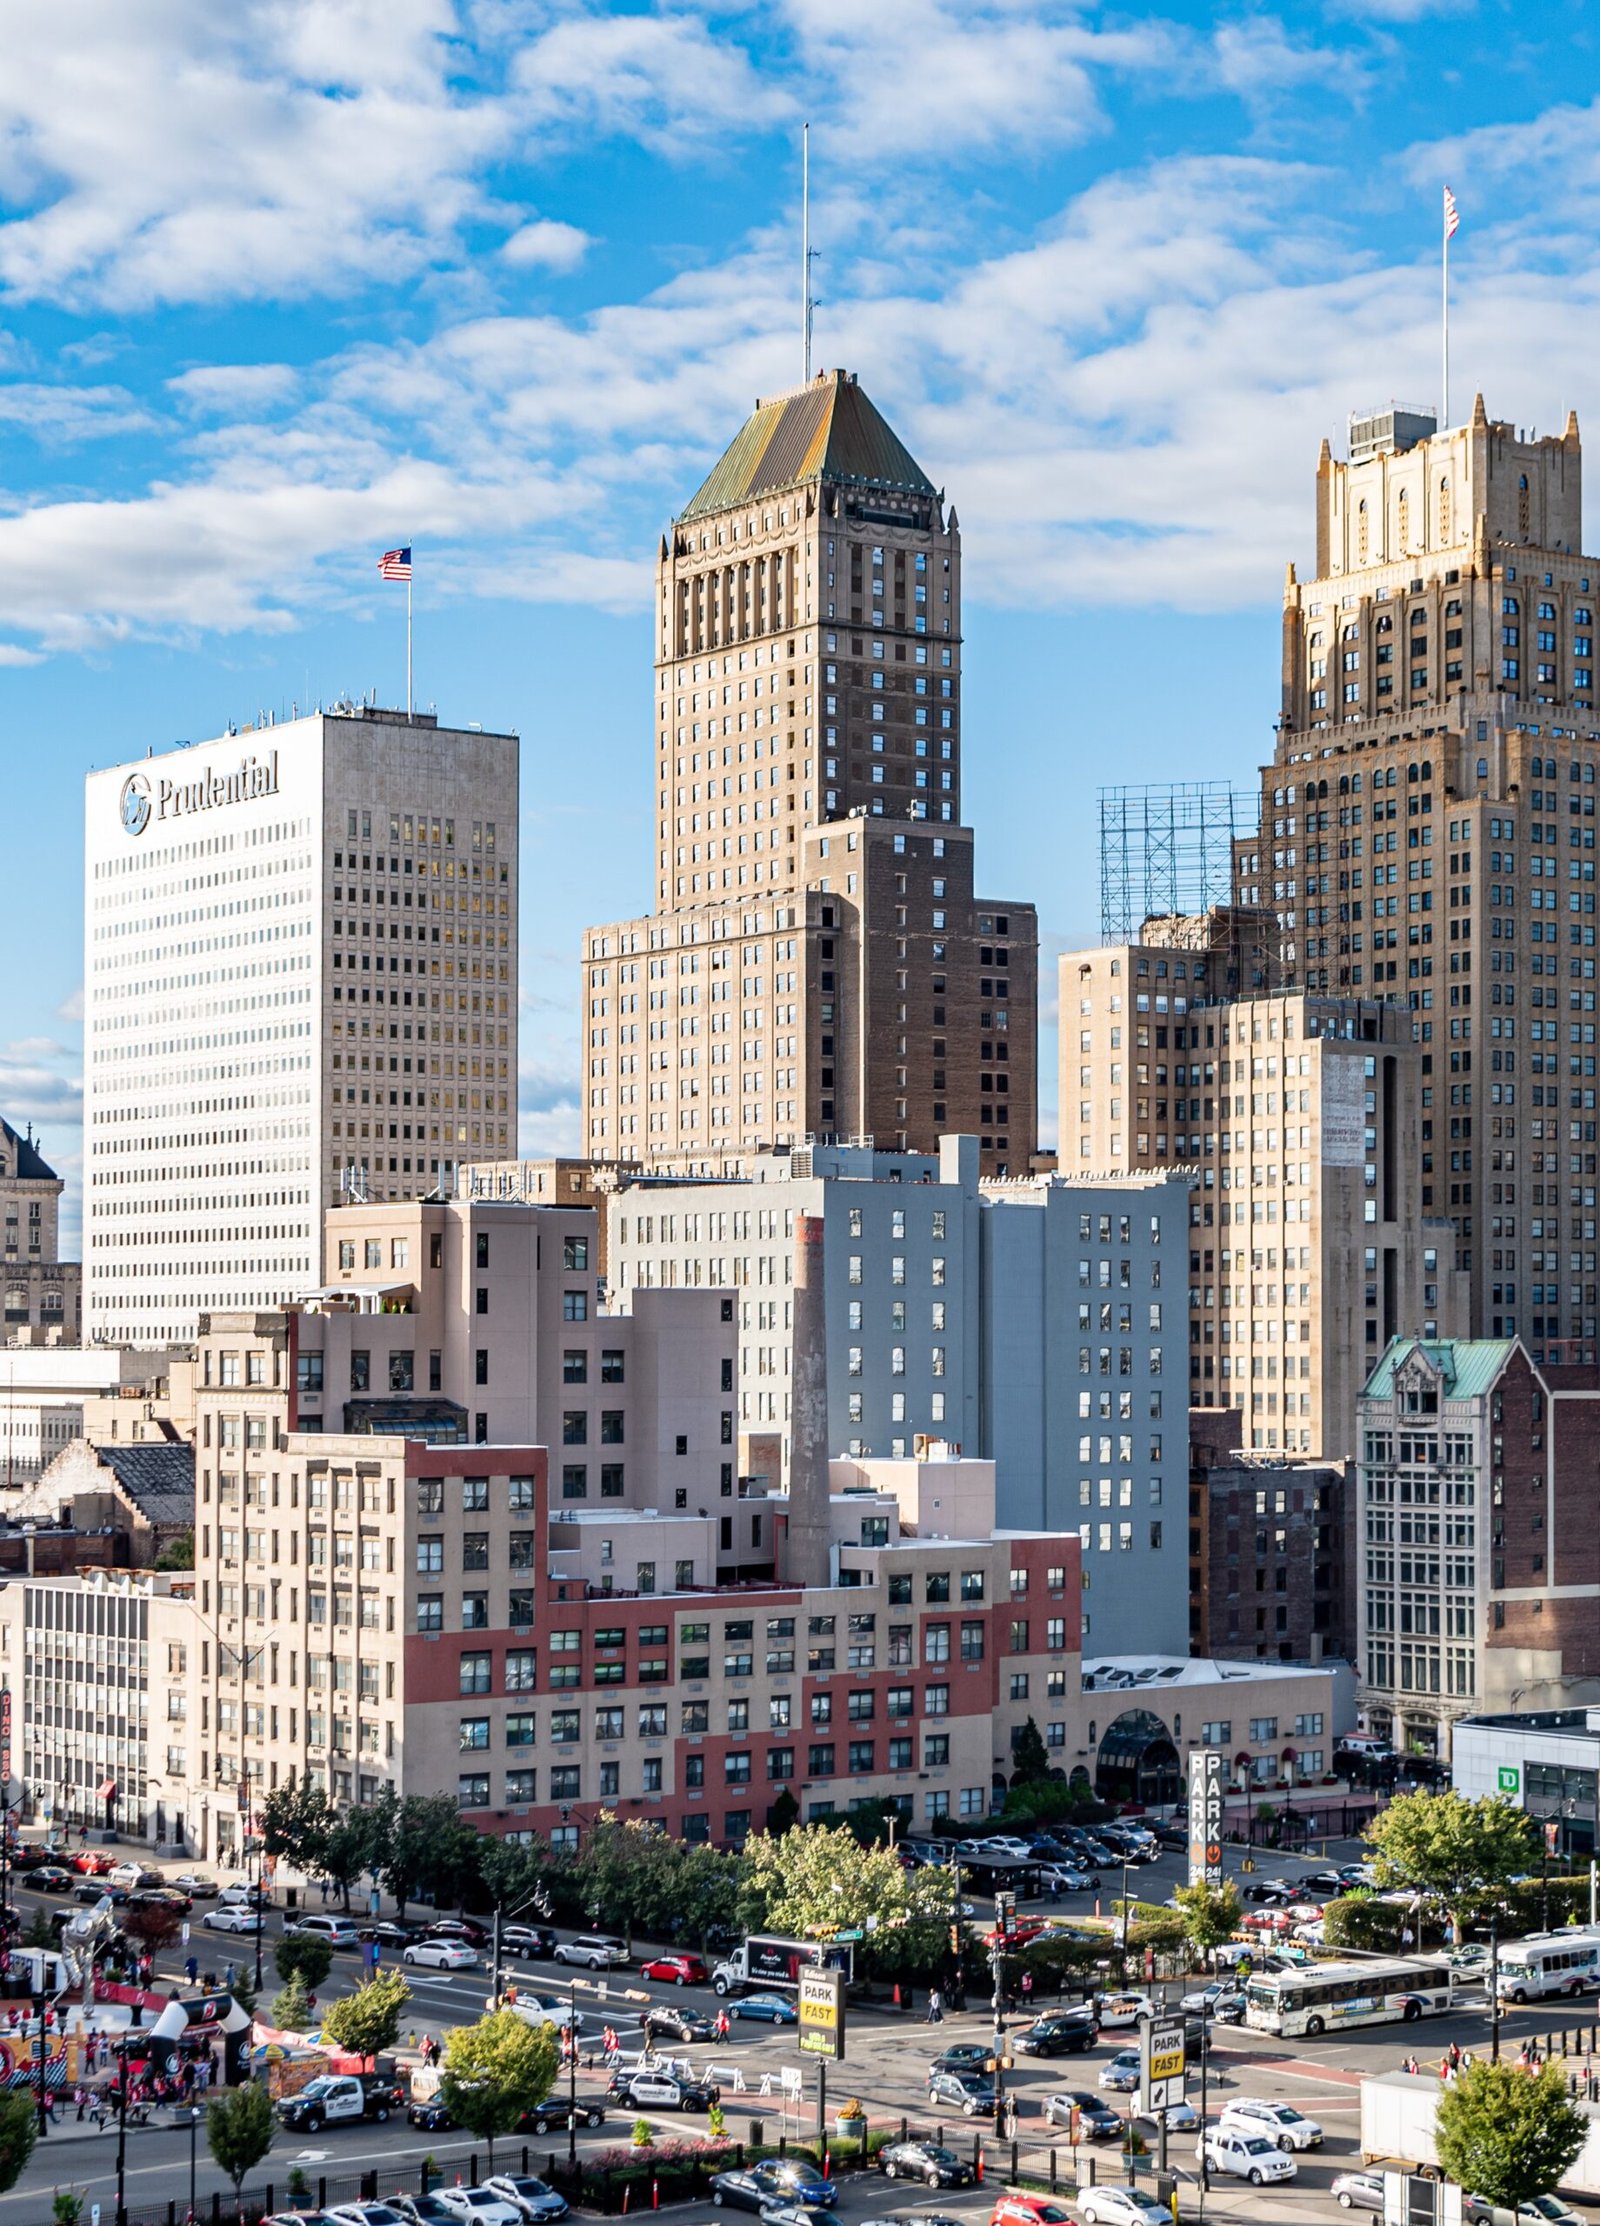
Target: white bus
{"points": [[1549, 1963], [1338, 1994]]}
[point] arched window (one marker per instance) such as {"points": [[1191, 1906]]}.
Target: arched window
{"points": [[1444, 510], [1483, 768], [1402, 523], [1361, 533]]}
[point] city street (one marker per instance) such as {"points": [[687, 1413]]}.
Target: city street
{"points": [[886, 2067]]}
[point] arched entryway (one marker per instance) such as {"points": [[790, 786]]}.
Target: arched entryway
{"points": [[1138, 1761]]}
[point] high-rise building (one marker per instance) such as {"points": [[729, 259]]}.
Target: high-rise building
{"points": [[817, 963], [1428, 829], [1298, 1115], [300, 983]]}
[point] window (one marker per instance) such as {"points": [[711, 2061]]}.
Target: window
{"points": [[1216, 1735], [574, 1368], [936, 1642], [575, 1426], [574, 1306], [521, 1673], [473, 1792], [862, 1762], [476, 1672], [430, 1557], [819, 1762], [736, 1769], [475, 1549], [972, 1642], [1262, 1729], [474, 1732], [565, 1782], [520, 1785], [972, 1584], [936, 1700]]}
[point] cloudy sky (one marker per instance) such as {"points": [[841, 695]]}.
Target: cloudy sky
{"points": [[285, 281]]}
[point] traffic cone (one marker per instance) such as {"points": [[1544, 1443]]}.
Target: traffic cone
{"points": [[897, 1994], [625, 2194], [979, 2163], [655, 2195]]}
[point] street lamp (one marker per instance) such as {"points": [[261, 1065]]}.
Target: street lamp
{"points": [[194, 2129]]}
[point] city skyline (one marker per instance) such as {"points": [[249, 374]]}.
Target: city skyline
{"points": [[196, 503]]}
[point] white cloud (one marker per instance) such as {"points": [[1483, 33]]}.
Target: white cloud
{"points": [[545, 243], [226, 388]]}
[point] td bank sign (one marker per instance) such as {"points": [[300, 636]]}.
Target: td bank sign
{"points": [[145, 797]]}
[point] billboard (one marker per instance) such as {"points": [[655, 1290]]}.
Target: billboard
{"points": [[822, 2012], [1205, 1818]]}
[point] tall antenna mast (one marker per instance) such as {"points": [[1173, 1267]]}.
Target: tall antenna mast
{"points": [[805, 252]]}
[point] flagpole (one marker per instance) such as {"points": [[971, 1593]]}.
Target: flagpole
{"points": [[1444, 321], [408, 638]]}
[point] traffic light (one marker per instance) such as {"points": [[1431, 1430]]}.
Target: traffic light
{"points": [[1005, 1915], [955, 1940]]}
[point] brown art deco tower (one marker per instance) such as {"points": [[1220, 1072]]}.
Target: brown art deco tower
{"points": [[817, 963], [1428, 829]]}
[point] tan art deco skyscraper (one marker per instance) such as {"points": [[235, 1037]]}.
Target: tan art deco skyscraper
{"points": [[1428, 829], [817, 963]]}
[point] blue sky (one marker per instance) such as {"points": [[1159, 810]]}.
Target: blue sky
{"points": [[286, 281]]}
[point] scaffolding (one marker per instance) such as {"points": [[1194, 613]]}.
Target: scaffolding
{"points": [[1168, 849]]}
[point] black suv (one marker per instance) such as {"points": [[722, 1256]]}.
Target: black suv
{"points": [[1058, 2033]]}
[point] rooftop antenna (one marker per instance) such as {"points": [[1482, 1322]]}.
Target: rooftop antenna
{"points": [[805, 250]]}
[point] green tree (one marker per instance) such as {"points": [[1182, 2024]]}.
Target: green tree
{"points": [[1362, 1921], [1452, 1850], [239, 2126], [178, 1552], [495, 2071], [517, 1878], [351, 1848], [291, 2009], [39, 1933], [368, 2021], [152, 1928], [426, 1852], [1210, 1915], [297, 1819], [784, 1813], [817, 1881], [1507, 2135], [304, 1955], [1030, 1758], [19, 2129], [628, 1874], [710, 1883]]}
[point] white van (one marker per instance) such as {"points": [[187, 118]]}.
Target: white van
{"points": [[1548, 1963]]}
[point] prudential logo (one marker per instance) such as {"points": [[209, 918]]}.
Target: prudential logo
{"points": [[135, 804]]}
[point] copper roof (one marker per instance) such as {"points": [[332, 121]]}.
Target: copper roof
{"points": [[827, 430]]}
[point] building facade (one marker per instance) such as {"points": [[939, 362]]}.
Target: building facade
{"points": [[1428, 828], [301, 963], [1479, 1535], [818, 963], [43, 1294], [1272, 1560], [1300, 1117]]}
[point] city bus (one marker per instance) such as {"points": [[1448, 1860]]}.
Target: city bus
{"points": [[1549, 1963], [1326, 1995]]}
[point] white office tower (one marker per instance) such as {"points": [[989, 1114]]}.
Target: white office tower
{"points": [[300, 950]]}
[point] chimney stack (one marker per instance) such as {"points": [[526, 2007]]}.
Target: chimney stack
{"points": [[806, 1560]]}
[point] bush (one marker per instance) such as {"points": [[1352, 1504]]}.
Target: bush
{"points": [[1359, 1921]]}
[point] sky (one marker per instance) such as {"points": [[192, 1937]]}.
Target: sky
{"points": [[286, 282]]}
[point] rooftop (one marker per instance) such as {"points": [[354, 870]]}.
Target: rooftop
{"points": [[827, 430], [1134, 1672], [20, 1157], [1466, 1366]]}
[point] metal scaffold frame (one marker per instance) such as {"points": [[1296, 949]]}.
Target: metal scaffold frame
{"points": [[1168, 848]]}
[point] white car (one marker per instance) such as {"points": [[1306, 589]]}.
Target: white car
{"points": [[1004, 1844], [196, 1886], [599, 1950], [1123, 2009], [1279, 2121], [547, 2009], [483, 2205], [1248, 2156], [136, 1874], [442, 1955], [1122, 2206], [232, 1917]]}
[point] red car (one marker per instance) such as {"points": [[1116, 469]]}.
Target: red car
{"points": [[676, 1970], [93, 1862], [1030, 2210]]}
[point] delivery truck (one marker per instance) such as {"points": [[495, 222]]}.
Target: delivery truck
{"points": [[1398, 2110]]}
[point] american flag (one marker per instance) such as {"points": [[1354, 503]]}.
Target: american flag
{"points": [[395, 564], [1452, 223]]}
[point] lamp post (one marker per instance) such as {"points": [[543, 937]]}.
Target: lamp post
{"points": [[261, 1921], [41, 2002], [194, 2130], [122, 2144]]}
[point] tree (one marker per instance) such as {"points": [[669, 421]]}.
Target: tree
{"points": [[178, 1552], [1458, 1851], [495, 2071], [814, 1882], [239, 2126], [291, 2009], [784, 1814], [1210, 1915], [19, 2129], [517, 1877], [1030, 1757], [351, 1847], [426, 1853], [368, 2021], [297, 1819], [1507, 2134], [40, 1933], [152, 1928], [710, 1881], [305, 1955], [628, 1874]]}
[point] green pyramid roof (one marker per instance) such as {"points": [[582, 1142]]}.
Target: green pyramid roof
{"points": [[825, 431]]}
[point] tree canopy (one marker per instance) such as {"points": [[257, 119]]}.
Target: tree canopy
{"points": [[817, 1881], [1460, 1851], [239, 2125], [19, 2129], [1210, 1914], [1506, 2134], [496, 2071], [368, 2021]]}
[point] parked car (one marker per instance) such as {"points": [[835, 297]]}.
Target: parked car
{"points": [[1068, 1878], [777, 2180], [528, 1941], [766, 2009], [136, 1874], [658, 2090], [535, 2198], [600, 1951], [433, 2116], [100, 1889], [1122, 2206], [1279, 2121], [194, 1883], [388, 1934], [1097, 2121], [465, 1929], [1247, 2156], [424, 2210], [50, 1878], [965, 2056], [928, 2161], [1029, 2210], [1538, 2210], [229, 1917], [1358, 2191], [441, 1955], [252, 1897], [972, 2093], [676, 1970], [1058, 2033], [674, 2023], [339, 1932], [481, 2205], [1268, 1890], [160, 1897], [89, 1862], [366, 2214]]}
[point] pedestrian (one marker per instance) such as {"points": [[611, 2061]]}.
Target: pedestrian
{"points": [[97, 2111], [1027, 1989], [227, 1979], [81, 2099], [1455, 2055], [1444, 2069], [191, 1968], [935, 2006]]}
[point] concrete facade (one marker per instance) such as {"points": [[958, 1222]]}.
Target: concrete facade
{"points": [[1545, 1761], [41, 1295], [818, 963], [1309, 1107], [250, 905]]}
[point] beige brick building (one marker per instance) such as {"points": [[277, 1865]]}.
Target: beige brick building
{"points": [[1300, 1116], [1428, 829], [818, 961], [42, 1294]]}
